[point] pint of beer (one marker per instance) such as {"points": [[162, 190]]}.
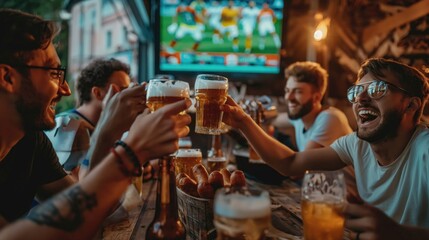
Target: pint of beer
{"points": [[216, 163], [186, 159], [323, 196], [210, 93], [241, 214], [161, 92]]}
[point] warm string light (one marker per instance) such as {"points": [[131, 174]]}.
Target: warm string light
{"points": [[322, 29]]}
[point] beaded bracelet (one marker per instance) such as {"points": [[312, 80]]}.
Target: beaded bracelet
{"points": [[138, 167], [122, 166]]}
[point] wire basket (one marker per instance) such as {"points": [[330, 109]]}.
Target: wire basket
{"points": [[197, 215]]}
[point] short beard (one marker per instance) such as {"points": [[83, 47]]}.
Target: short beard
{"points": [[305, 109], [388, 128], [29, 107]]}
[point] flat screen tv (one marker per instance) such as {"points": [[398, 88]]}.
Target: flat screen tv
{"points": [[231, 38]]}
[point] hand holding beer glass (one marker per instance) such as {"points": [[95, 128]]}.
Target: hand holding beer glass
{"points": [[323, 196], [243, 214], [210, 93]]}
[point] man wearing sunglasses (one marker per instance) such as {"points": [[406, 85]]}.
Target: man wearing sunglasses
{"points": [[31, 83], [389, 151]]}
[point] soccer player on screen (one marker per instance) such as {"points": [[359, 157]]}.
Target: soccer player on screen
{"points": [[249, 14], [266, 20], [185, 22], [201, 10], [214, 12], [228, 21]]}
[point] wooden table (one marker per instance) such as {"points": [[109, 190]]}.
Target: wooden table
{"points": [[286, 214]]}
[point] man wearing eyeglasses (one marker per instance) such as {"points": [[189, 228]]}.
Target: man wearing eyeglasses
{"points": [[31, 83], [389, 151]]}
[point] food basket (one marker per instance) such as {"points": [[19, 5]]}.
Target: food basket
{"points": [[197, 215]]}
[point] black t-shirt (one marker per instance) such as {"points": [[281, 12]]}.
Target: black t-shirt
{"points": [[32, 162]]}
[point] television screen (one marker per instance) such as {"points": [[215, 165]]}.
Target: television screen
{"points": [[219, 36]]}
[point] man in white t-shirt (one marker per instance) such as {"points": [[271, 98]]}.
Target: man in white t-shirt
{"points": [[389, 151], [315, 125]]}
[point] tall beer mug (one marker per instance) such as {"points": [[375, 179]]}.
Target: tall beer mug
{"points": [[242, 213], [323, 196], [210, 93], [161, 92]]}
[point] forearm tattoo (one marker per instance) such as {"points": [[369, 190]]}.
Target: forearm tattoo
{"points": [[64, 211]]}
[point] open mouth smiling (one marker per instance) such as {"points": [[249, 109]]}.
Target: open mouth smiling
{"points": [[367, 115]]}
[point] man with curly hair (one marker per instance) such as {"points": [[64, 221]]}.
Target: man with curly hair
{"points": [[71, 136]]}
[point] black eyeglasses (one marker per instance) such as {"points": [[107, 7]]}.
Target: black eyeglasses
{"points": [[57, 73], [376, 89]]}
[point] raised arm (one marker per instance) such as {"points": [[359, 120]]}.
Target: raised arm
{"points": [[280, 157], [121, 109], [77, 212]]}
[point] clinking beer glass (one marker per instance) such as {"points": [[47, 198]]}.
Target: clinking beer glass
{"points": [[323, 196], [166, 223], [210, 93]]}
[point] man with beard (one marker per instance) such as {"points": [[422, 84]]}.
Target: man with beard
{"points": [[32, 81], [315, 125], [389, 151]]}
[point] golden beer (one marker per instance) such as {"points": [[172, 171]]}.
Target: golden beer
{"points": [[161, 92], [155, 103], [186, 159], [242, 215], [216, 163], [210, 93], [322, 220], [323, 195]]}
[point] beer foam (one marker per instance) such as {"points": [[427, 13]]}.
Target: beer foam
{"points": [[240, 206], [216, 159], [210, 84], [183, 153], [168, 88]]}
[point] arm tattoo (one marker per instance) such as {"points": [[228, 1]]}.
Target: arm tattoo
{"points": [[64, 211]]}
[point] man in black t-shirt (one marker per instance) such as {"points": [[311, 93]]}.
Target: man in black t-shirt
{"points": [[32, 82]]}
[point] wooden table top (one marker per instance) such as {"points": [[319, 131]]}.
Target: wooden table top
{"points": [[286, 214]]}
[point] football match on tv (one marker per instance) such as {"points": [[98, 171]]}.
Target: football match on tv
{"points": [[232, 36]]}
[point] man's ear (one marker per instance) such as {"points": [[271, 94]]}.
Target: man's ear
{"points": [[8, 77], [97, 93], [317, 97], [414, 104]]}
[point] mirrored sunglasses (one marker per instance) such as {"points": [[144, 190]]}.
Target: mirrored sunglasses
{"points": [[376, 89]]}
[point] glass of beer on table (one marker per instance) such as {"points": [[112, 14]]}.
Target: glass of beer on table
{"points": [[243, 214], [186, 159], [323, 196], [216, 163], [210, 93]]}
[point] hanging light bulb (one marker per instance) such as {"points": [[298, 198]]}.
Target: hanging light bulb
{"points": [[322, 29]]}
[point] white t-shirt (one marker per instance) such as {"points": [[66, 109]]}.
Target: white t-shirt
{"points": [[400, 189], [328, 126]]}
